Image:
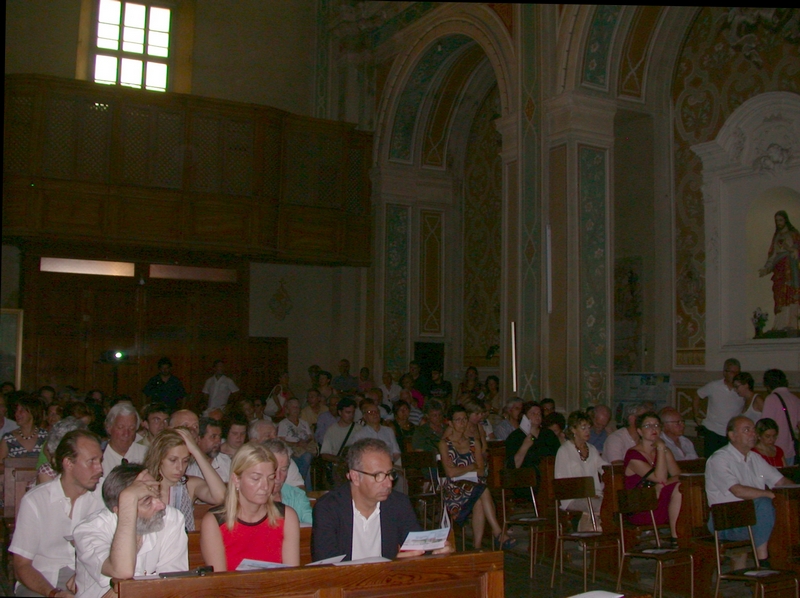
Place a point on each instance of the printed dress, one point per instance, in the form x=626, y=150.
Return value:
x=460, y=495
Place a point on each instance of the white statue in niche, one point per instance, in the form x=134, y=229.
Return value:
x=783, y=261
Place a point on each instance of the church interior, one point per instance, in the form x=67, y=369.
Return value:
x=581, y=200
x=543, y=192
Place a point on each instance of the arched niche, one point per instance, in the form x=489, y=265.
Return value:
x=750, y=170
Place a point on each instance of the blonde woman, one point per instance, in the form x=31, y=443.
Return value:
x=250, y=525
x=167, y=460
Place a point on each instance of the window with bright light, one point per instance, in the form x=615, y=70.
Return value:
x=132, y=44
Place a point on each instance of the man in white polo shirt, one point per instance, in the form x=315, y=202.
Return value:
x=735, y=472
x=723, y=404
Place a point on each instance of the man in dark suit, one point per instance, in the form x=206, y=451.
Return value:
x=365, y=518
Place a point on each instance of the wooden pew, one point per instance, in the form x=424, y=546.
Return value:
x=785, y=553
x=460, y=575
x=18, y=473
x=196, y=557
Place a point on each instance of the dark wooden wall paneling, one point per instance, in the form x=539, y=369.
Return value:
x=173, y=171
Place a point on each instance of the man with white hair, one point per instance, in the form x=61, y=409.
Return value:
x=283, y=492
x=601, y=416
x=259, y=432
x=672, y=430
x=184, y=418
x=121, y=424
x=136, y=534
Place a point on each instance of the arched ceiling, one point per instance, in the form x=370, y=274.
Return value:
x=430, y=100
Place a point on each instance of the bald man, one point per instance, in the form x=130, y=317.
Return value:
x=672, y=434
x=186, y=419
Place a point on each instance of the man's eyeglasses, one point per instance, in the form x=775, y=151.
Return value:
x=677, y=421
x=381, y=475
x=370, y=412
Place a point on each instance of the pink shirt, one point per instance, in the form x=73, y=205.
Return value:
x=774, y=410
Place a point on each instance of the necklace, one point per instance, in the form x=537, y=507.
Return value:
x=23, y=437
x=580, y=452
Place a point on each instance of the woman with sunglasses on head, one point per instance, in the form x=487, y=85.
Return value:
x=464, y=488
x=250, y=525
x=651, y=463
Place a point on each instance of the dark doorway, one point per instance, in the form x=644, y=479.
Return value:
x=429, y=356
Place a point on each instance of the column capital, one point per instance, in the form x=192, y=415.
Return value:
x=507, y=126
x=576, y=115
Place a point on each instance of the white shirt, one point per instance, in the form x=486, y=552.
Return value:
x=221, y=464
x=43, y=521
x=723, y=404
x=218, y=391
x=111, y=458
x=294, y=433
x=293, y=478
x=684, y=452
x=570, y=465
x=383, y=433
x=728, y=466
x=366, y=533
x=9, y=425
x=617, y=444
x=390, y=393
x=161, y=552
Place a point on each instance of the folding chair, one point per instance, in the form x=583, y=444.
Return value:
x=743, y=514
x=524, y=478
x=421, y=473
x=578, y=488
x=639, y=500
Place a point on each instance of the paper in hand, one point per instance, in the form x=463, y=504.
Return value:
x=429, y=540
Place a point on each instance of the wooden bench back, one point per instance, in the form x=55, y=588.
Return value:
x=728, y=515
x=569, y=488
x=636, y=500
x=460, y=575
x=19, y=472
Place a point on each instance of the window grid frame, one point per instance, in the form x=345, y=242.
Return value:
x=144, y=57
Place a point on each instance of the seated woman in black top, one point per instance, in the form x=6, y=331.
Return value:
x=524, y=449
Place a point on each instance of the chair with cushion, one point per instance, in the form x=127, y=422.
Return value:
x=571, y=489
x=743, y=514
x=640, y=500
x=522, y=479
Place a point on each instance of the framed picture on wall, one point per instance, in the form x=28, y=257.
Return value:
x=11, y=346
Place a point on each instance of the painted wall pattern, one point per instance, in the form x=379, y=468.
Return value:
x=414, y=92
x=482, y=235
x=321, y=70
x=635, y=50
x=599, y=45
x=431, y=266
x=628, y=314
x=728, y=56
x=593, y=254
x=395, y=319
x=529, y=326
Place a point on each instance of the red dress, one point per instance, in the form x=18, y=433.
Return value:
x=256, y=541
x=661, y=512
x=777, y=460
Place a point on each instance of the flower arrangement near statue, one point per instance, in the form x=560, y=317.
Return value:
x=759, y=320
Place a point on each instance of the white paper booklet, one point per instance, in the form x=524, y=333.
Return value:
x=329, y=561
x=254, y=565
x=525, y=424
x=428, y=540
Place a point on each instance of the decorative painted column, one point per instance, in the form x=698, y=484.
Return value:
x=579, y=214
x=529, y=224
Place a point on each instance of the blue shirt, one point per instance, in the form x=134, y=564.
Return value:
x=598, y=440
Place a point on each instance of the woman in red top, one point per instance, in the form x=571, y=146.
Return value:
x=767, y=431
x=249, y=525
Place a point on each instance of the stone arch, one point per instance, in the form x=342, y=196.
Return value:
x=475, y=22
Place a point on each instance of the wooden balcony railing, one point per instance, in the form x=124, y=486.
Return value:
x=86, y=162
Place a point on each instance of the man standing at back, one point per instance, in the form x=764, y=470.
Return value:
x=218, y=388
x=44, y=560
x=723, y=404
x=344, y=382
x=164, y=386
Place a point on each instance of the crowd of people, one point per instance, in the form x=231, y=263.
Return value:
x=256, y=458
